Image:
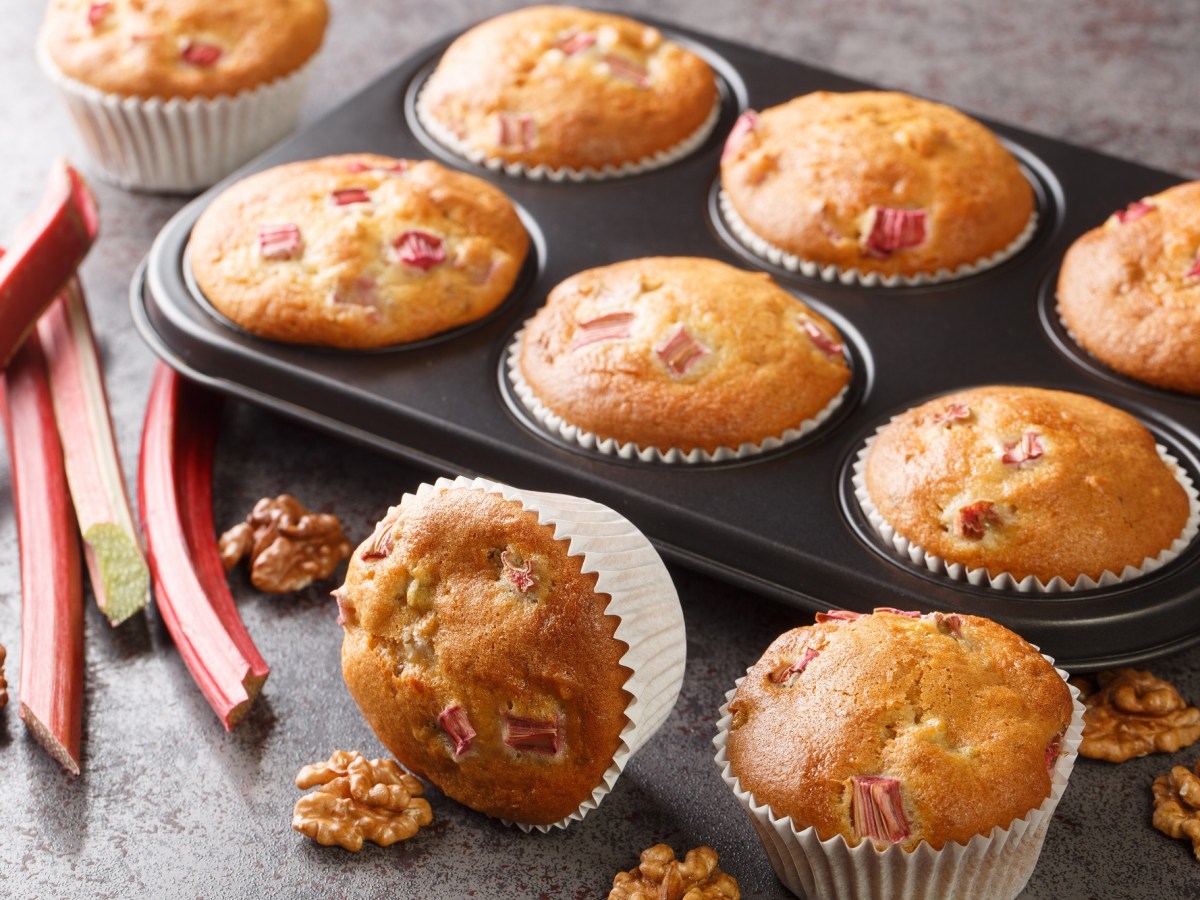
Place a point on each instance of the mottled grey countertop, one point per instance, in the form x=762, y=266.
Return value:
x=170, y=805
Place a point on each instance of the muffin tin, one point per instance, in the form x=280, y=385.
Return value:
x=784, y=524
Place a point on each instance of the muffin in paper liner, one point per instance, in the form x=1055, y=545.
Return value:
x=642, y=595
x=995, y=865
x=540, y=172
x=176, y=145
x=630, y=450
x=777, y=256
x=982, y=576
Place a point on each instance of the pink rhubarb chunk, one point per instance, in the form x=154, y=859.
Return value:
x=1134, y=211
x=346, y=196
x=837, y=615
x=907, y=613
x=627, y=70
x=1053, y=751
x=876, y=808
x=955, y=412
x=356, y=166
x=680, y=352
x=947, y=623
x=521, y=576
x=745, y=125
x=279, y=241
x=823, y=342
x=382, y=541
x=195, y=53
x=1194, y=271
x=532, y=735
x=614, y=326
x=1027, y=449
x=516, y=130
x=420, y=249
x=785, y=676
x=974, y=518
x=576, y=42
x=97, y=13
x=895, y=229
x=457, y=725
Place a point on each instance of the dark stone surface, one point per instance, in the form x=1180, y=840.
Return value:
x=170, y=805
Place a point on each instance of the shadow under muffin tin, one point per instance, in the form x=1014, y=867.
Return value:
x=785, y=523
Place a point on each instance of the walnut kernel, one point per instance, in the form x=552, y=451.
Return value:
x=660, y=876
x=1131, y=713
x=359, y=800
x=289, y=547
x=1177, y=804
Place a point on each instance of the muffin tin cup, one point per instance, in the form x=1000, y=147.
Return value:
x=777, y=256
x=995, y=865
x=983, y=577
x=544, y=172
x=631, y=451
x=177, y=145
x=642, y=595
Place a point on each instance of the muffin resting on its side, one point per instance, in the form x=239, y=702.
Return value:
x=357, y=251
x=877, y=182
x=569, y=88
x=1129, y=290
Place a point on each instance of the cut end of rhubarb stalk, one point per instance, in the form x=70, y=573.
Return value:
x=124, y=587
x=253, y=684
x=46, y=738
x=877, y=809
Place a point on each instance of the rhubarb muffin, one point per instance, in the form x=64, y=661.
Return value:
x=512, y=647
x=174, y=94
x=885, y=739
x=1129, y=290
x=1026, y=482
x=357, y=251
x=679, y=354
x=873, y=184
x=560, y=89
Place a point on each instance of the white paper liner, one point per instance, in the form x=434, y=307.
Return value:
x=630, y=450
x=177, y=145
x=982, y=577
x=542, y=171
x=643, y=597
x=764, y=249
x=996, y=865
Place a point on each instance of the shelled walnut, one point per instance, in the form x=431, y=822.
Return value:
x=1131, y=713
x=1177, y=804
x=660, y=876
x=359, y=800
x=289, y=546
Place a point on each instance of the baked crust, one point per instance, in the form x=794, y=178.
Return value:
x=966, y=722
x=583, y=112
x=808, y=174
x=436, y=623
x=1097, y=498
x=1125, y=290
x=137, y=49
x=345, y=285
x=760, y=372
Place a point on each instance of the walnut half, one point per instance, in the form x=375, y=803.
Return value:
x=359, y=800
x=1131, y=713
x=289, y=546
x=1177, y=804
x=660, y=876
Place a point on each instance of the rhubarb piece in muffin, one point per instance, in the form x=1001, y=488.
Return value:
x=874, y=183
x=1028, y=482
x=1129, y=290
x=357, y=251
x=568, y=88
x=681, y=354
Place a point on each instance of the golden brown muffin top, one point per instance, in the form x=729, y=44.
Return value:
x=678, y=352
x=1130, y=289
x=876, y=181
x=1027, y=481
x=562, y=86
x=899, y=728
x=357, y=251
x=481, y=655
x=181, y=48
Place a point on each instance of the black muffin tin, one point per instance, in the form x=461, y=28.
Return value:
x=784, y=525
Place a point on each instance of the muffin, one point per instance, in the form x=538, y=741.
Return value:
x=679, y=355
x=174, y=94
x=558, y=90
x=514, y=648
x=899, y=750
x=873, y=185
x=1129, y=291
x=1027, y=483
x=357, y=251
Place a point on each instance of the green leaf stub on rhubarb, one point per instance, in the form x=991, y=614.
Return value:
x=123, y=570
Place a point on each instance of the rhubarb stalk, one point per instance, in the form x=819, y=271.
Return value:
x=116, y=566
x=51, y=684
x=175, y=500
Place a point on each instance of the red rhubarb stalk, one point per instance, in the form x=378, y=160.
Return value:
x=51, y=685
x=175, y=500
x=116, y=565
x=50, y=246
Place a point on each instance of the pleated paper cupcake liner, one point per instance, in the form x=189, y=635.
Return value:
x=777, y=256
x=642, y=595
x=176, y=145
x=629, y=450
x=996, y=865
